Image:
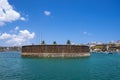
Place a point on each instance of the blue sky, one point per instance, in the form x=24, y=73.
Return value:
x=81, y=21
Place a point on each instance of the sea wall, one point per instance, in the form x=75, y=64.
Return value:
x=55, y=51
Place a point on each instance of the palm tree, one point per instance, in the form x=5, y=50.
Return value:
x=68, y=42
x=43, y=42
x=54, y=43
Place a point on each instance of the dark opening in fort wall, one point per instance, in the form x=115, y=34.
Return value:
x=55, y=51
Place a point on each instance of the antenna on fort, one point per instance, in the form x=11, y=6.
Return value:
x=41, y=37
x=35, y=40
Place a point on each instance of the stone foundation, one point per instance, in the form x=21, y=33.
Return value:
x=55, y=55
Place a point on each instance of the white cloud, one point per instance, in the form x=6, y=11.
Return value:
x=16, y=28
x=1, y=23
x=86, y=33
x=7, y=13
x=23, y=36
x=5, y=36
x=47, y=13
x=22, y=18
x=26, y=34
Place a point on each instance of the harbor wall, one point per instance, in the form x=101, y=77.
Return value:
x=55, y=51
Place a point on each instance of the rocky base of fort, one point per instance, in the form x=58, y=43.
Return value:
x=55, y=55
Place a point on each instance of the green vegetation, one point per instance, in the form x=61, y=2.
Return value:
x=100, y=47
x=43, y=42
x=68, y=42
x=54, y=43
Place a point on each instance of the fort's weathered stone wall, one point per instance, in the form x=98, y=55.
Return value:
x=55, y=51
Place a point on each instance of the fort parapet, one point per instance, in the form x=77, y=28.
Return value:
x=55, y=51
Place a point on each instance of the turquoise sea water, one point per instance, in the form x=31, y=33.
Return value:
x=96, y=67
